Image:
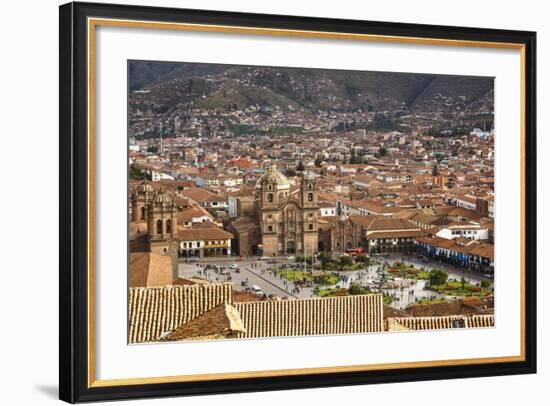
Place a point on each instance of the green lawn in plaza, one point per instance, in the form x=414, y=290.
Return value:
x=294, y=275
x=299, y=275
x=353, y=290
x=460, y=289
x=405, y=271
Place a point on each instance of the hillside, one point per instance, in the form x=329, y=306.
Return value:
x=229, y=86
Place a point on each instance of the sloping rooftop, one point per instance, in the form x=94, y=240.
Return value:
x=222, y=321
x=203, y=232
x=441, y=322
x=147, y=269
x=335, y=315
x=154, y=311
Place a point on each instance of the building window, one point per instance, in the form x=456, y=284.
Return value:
x=310, y=197
x=270, y=197
x=169, y=226
x=143, y=213
x=270, y=228
x=310, y=227
x=159, y=226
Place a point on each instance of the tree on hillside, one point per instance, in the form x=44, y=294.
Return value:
x=355, y=159
x=290, y=172
x=300, y=167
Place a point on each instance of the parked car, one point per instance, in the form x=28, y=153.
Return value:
x=237, y=270
x=233, y=266
x=192, y=259
x=256, y=289
x=264, y=258
x=291, y=257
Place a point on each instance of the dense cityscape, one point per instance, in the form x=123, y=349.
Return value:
x=284, y=202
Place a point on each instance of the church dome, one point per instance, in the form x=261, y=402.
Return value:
x=273, y=176
x=162, y=197
x=145, y=188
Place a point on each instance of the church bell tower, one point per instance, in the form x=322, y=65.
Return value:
x=161, y=224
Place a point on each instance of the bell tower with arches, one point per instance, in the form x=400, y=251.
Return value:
x=269, y=188
x=141, y=198
x=308, y=191
x=310, y=213
x=161, y=228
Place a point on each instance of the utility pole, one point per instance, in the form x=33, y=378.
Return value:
x=161, y=149
x=312, y=256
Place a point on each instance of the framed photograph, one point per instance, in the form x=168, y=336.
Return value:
x=258, y=202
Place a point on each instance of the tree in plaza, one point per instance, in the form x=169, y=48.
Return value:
x=363, y=259
x=345, y=261
x=437, y=277
x=485, y=284
x=325, y=258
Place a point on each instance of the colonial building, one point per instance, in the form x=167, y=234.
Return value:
x=467, y=253
x=288, y=223
x=153, y=254
x=141, y=198
x=280, y=219
x=204, y=240
x=373, y=234
x=172, y=233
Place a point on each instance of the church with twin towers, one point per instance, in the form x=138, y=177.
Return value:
x=288, y=221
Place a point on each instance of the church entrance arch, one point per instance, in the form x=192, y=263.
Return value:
x=290, y=247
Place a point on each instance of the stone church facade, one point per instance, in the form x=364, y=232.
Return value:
x=158, y=211
x=284, y=221
x=288, y=222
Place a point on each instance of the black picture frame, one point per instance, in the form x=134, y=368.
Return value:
x=74, y=200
